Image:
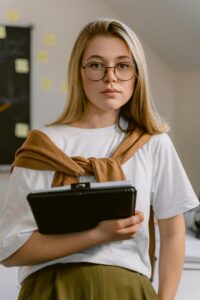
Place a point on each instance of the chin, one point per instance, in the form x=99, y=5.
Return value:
x=110, y=107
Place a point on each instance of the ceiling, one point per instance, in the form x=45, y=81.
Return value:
x=172, y=27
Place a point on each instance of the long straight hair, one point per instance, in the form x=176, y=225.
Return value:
x=139, y=111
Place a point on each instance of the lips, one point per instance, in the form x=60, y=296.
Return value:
x=110, y=91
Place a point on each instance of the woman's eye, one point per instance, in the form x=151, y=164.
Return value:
x=95, y=66
x=124, y=66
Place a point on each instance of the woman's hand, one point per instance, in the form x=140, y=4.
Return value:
x=41, y=248
x=121, y=229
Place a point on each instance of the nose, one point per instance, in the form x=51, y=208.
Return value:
x=110, y=75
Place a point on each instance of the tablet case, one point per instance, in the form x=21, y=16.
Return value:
x=80, y=206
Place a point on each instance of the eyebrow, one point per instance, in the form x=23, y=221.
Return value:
x=101, y=57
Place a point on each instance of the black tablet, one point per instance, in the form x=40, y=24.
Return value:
x=81, y=206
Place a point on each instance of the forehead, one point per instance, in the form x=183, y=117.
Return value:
x=107, y=47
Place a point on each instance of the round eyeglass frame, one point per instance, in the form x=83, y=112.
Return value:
x=132, y=63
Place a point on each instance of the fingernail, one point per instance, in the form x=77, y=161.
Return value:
x=137, y=219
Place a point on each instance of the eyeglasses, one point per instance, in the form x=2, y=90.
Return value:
x=96, y=71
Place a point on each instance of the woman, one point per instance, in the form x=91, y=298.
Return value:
x=108, y=108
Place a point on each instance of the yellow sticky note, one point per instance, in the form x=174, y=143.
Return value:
x=46, y=84
x=21, y=130
x=21, y=65
x=50, y=39
x=63, y=87
x=3, y=32
x=42, y=57
x=12, y=15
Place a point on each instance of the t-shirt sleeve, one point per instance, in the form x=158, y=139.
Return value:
x=16, y=220
x=172, y=192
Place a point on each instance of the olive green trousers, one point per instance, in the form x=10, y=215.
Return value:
x=84, y=281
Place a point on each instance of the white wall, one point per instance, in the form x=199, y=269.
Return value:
x=187, y=124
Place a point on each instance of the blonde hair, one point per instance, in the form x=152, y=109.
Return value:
x=139, y=111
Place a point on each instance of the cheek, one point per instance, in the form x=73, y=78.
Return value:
x=90, y=88
x=87, y=87
x=85, y=83
x=128, y=90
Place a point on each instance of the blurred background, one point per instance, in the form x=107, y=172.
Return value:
x=44, y=32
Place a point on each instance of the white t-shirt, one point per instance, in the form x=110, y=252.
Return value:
x=155, y=170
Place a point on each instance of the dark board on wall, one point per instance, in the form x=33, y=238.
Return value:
x=15, y=45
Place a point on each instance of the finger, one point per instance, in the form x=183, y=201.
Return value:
x=123, y=223
x=130, y=231
x=127, y=222
x=138, y=218
x=139, y=214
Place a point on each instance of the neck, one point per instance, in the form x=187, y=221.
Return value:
x=96, y=120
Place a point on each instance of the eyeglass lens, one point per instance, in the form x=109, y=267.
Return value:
x=96, y=71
